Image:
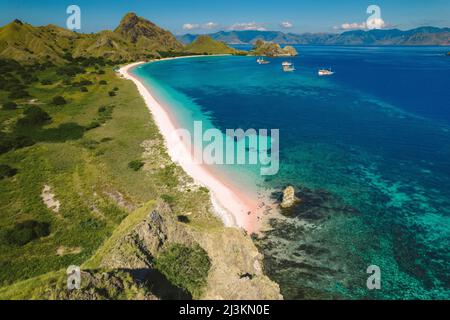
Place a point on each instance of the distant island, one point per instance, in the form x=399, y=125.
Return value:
x=423, y=36
x=206, y=45
x=271, y=49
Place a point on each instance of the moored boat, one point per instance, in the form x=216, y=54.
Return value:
x=288, y=66
x=325, y=72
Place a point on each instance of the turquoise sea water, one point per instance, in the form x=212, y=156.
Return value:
x=368, y=151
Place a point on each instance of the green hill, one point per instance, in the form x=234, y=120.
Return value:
x=135, y=38
x=146, y=35
x=207, y=45
x=24, y=43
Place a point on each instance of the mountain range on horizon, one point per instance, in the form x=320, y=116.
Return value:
x=136, y=38
x=422, y=36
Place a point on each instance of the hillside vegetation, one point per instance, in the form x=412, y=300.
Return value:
x=69, y=196
x=85, y=179
x=134, y=39
x=206, y=45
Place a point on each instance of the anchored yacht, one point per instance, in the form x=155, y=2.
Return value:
x=325, y=72
x=262, y=61
x=288, y=66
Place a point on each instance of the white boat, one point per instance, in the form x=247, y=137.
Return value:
x=288, y=66
x=262, y=61
x=325, y=72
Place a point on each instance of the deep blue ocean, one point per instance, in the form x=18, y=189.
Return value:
x=367, y=149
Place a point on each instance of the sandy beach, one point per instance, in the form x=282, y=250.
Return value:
x=233, y=207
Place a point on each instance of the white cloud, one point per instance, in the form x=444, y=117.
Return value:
x=190, y=26
x=210, y=25
x=287, y=24
x=375, y=23
x=247, y=26
x=206, y=26
x=353, y=26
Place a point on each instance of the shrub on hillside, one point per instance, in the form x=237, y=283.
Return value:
x=59, y=101
x=103, y=82
x=30, y=79
x=70, y=70
x=46, y=82
x=25, y=232
x=135, y=165
x=34, y=116
x=12, y=84
x=111, y=93
x=84, y=89
x=18, y=94
x=6, y=171
x=9, y=65
x=183, y=219
x=10, y=105
x=6, y=144
x=10, y=142
x=186, y=267
x=22, y=142
x=93, y=125
x=85, y=82
x=168, y=198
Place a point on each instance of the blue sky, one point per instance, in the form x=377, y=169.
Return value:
x=204, y=16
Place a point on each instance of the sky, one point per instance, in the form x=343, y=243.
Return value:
x=207, y=16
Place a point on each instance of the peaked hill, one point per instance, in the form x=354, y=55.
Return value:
x=206, y=45
x=135, y=38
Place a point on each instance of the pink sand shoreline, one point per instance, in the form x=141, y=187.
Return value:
x=233, y=207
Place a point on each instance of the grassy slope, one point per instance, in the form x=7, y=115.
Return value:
x=80, y=168
x=39, y=287
x=134, y=39
x=206, y=45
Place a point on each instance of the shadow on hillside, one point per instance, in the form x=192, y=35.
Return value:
x=158, y=284
x=64, y=132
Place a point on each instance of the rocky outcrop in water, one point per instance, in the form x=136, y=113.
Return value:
x=289, y=198
x=271, y=49
x=300, y=250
